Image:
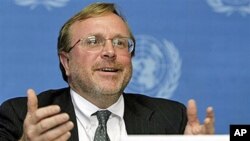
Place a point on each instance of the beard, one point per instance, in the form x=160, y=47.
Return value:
x=87, y=81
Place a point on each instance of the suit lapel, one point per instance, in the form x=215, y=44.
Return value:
x=65, y=102
x=136, y=116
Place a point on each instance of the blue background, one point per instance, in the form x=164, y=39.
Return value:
x=214, y=48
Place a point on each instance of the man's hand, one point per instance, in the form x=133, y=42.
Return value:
x=46, y=123
x=194, y=126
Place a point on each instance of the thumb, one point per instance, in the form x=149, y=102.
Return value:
x=32, y=103
x=192, y=112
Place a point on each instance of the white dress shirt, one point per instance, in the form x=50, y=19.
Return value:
x=87, y=124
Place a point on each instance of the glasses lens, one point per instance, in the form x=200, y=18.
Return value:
x=124, y=44
x=95, y=43
x=131, y=45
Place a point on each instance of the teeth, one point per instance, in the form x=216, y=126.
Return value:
x=109, y=69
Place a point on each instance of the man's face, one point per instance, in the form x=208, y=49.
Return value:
x=105, y=72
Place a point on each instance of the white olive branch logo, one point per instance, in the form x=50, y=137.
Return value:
x=48, y=4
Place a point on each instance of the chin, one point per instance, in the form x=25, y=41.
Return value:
x=108, y=91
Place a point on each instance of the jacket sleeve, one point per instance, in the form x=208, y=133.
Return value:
x=12, y=114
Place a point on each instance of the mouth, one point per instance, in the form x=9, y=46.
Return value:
x=108, y=70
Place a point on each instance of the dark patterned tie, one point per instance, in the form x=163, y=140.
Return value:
x=101, y=131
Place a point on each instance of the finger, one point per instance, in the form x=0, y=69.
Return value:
x=32, y=103
x=192, y=111
x=208, y=127
x=45, y=112
x=32, y=127
x=209, y=121
x=196, y=130
x=64, y=137
x=58, y=132
x=52, y=122
x=210, y=113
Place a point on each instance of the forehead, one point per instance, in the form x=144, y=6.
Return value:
x=108, y=25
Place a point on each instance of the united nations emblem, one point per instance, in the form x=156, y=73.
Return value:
x=156, y=67
x=230, y=6
x=48, y=4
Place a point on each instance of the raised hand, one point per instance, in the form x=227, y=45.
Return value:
x=194, y=126
x=46, y=123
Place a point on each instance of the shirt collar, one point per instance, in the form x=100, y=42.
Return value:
x=86, y=108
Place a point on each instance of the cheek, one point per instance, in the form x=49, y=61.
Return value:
x=127, y=64
x=82, y=60
x=126, y=60
x=82, y=55
x=83, y=63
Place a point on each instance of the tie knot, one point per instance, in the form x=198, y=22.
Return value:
x=103, y=116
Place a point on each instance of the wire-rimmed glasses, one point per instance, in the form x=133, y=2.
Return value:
x=96, y=43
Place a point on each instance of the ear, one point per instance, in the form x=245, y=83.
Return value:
x=64, y=59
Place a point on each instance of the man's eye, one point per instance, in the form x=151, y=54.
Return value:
x=92, y=41
x=119, y=42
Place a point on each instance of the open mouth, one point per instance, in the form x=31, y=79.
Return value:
x=108, y=69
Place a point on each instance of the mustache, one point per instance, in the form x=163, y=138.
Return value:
x=107, y=64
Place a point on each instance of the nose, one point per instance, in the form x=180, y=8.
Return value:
x=108, y=51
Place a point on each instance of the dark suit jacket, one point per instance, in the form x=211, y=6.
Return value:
x=143, y=115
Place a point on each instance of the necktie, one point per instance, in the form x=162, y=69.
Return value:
x=101, y=131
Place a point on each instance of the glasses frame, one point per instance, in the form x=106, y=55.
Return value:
x=131, y=43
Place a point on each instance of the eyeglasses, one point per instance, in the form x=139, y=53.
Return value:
x=96, y=43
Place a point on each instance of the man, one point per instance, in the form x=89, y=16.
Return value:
x=95, y=48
